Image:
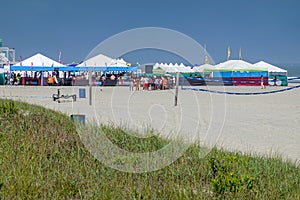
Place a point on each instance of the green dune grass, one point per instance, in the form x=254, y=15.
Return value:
x=42, y=157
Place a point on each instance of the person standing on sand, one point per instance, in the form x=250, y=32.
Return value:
x=275, y=79
x=164, y=83
x=137, y=84
x=142, y=81
x=50, y=81
x=161, y=83
x=73, y=80
x=262, y=82
x=146, y=83
x=112, y=77
x=102, y=80
x=131, y=84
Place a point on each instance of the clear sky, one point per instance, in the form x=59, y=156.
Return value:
x=265, y=29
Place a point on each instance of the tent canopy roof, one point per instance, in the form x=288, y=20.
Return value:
x=38, y=60
x=202, y=68
x=118, y=63
x=99, y=60
x=184, y=69
x=173, y=68
x=271, y=68
x=236, y=65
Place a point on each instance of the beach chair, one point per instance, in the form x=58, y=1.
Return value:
x=64, y=97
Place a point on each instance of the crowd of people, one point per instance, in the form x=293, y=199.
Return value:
x=151, y=83
x=136, y=82
x=100, y=79
x=13, y=78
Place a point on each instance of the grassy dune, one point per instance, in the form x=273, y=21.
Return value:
x=42, y=157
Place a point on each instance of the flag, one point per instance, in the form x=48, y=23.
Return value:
x=31, y=64
x=240, y=54
x=59, y=56
x=206, y=59
x=205, y=54
x=228, y=53
x=20, y=60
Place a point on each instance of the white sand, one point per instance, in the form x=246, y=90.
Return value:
x=262, y=124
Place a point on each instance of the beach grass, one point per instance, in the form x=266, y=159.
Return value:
x=42, y=157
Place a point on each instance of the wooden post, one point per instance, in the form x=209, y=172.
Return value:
x=90, y=88
x=176, y=90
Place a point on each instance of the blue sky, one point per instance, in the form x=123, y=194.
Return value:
x=265, y=30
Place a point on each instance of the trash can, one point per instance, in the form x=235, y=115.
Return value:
x=82, y=93
x=2, y=79
x=78, y=118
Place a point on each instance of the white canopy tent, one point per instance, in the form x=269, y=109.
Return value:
x=202, y=68
x=173, y=68
x=183, y=69
x=105, y=63
x=273, y=70
x=234, y=65
x=159, y=69
x=97, y=61
x=168, y=68
x=37, y=63
x=156, y=66
x=38, y=60
x=119, y=63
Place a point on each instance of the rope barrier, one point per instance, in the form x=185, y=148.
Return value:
x=240, y=93
x=294, y=78
x=235, y=81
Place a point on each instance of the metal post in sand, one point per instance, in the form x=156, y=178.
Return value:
x=177, y=85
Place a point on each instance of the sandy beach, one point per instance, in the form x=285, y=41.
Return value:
x=261, y=124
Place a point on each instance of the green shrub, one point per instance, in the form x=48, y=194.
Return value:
x=8, y=109
x=226, y=183
x=230, y=175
